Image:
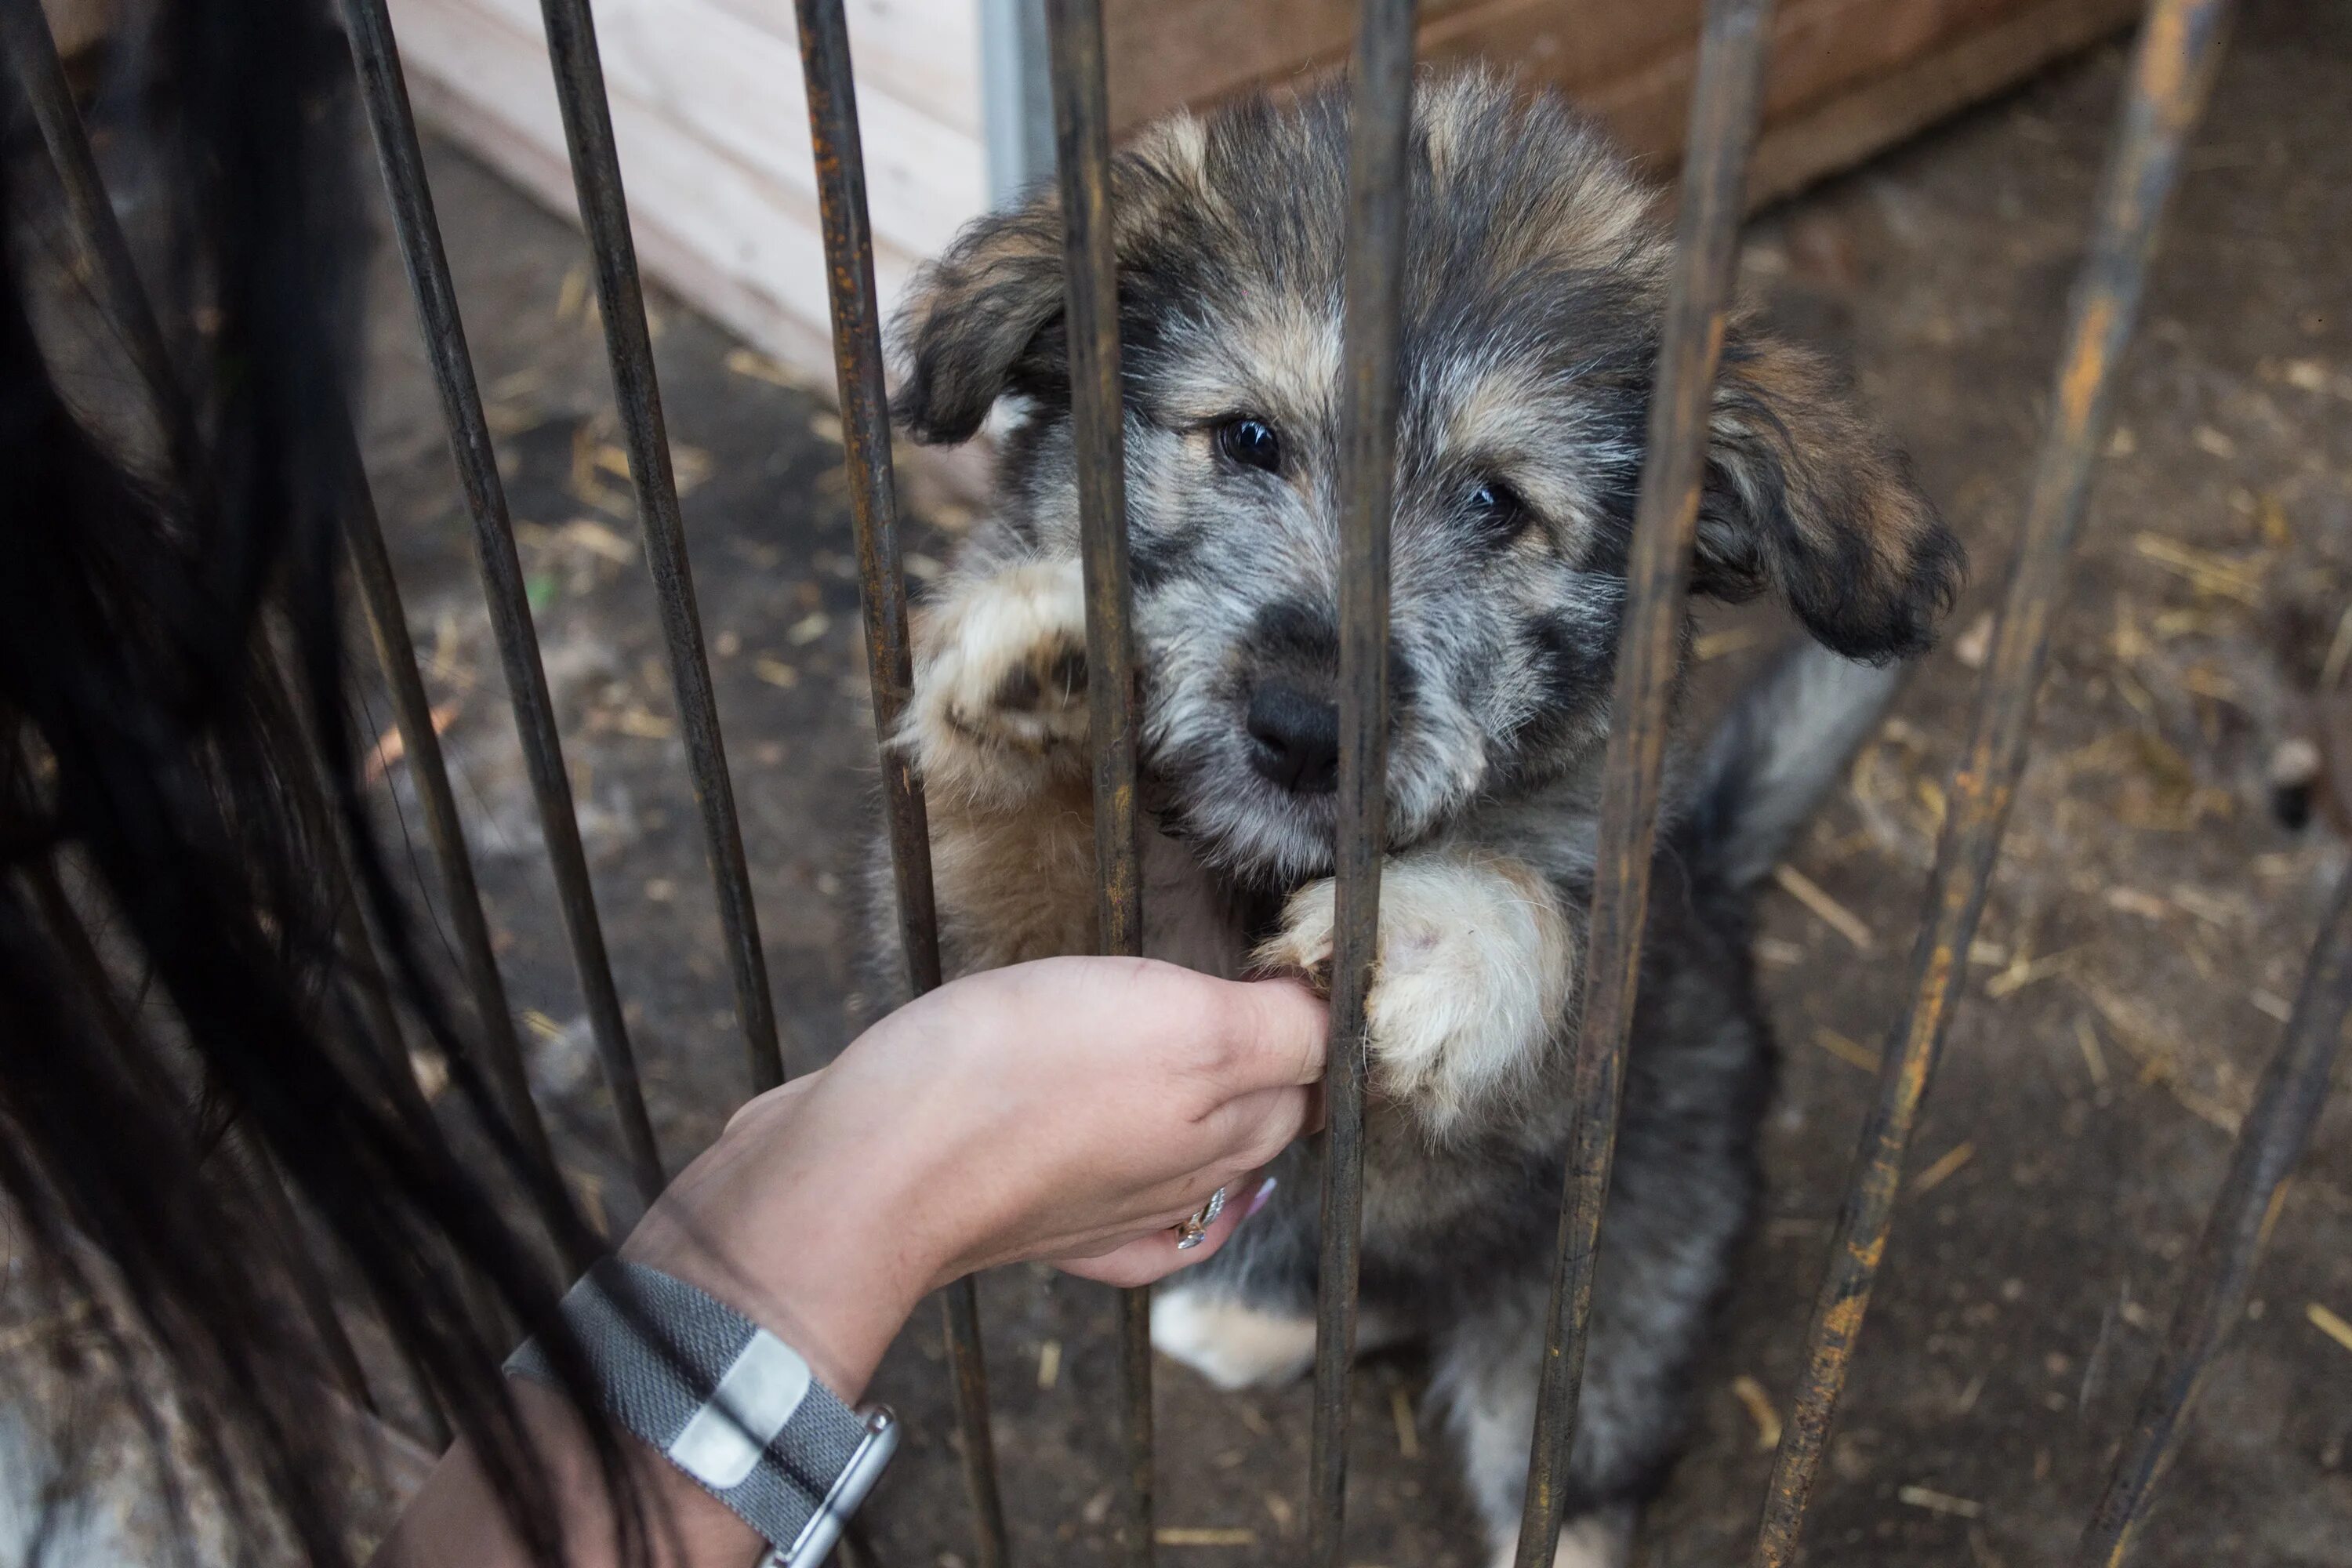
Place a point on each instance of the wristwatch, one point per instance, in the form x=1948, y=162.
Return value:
x=727, y=1402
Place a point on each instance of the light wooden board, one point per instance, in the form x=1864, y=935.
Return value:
x=921, y=52
x=736, y=88
x=734, y=242
x=713, y=133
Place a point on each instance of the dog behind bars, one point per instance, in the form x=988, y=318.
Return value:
x=1533, y=291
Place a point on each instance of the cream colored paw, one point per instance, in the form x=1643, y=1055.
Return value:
x=1000, y=698
x=1602, y=1540
x=1476, y=963
x=1232, y=1344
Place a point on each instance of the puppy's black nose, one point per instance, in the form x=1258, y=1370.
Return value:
x=1294, y=739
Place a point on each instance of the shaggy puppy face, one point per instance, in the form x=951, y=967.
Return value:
x=1534, y=284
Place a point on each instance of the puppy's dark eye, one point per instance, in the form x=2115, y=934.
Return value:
x=1496, y=508
x=1252, y=443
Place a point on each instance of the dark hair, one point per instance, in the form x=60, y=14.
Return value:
x=187, y=1019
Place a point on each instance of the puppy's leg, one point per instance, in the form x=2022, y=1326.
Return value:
x=1487, y=1373
x=1238, y=1344
x=1231, y=1343
x=997, y=732
x=1476, y=964
x=999, y=710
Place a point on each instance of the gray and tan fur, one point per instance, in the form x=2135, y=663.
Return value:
x=1534, y=288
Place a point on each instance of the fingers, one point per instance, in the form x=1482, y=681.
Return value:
x=1279, y=1030
x=774, y=1105
x=1250, y=1129
x=1240, y=1035
x=1154, y=1255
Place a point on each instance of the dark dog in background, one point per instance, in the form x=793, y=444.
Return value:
x=1534, y=288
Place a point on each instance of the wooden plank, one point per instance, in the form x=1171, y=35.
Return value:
x=920, y=52
x=732, y=241
x=1850, y=127
x=1632, y=64
x=1647, y=108
x=1162, y=54
x=738, y=88
x=929, y=477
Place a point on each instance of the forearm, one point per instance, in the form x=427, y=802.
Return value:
x=815, y=1270
x=456, y=1517
x=1074, y=1109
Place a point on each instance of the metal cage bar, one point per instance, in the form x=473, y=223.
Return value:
x=412, y=713
x=1379, y=191
x=882, y=594
x=2172, y=69
x=393, y=125
x=1081, y=98
x=1725, y=103
x=629, y=342
x=2221, y=1274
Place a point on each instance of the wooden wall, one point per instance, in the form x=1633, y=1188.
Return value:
x=713, y=129
x=1848, y=76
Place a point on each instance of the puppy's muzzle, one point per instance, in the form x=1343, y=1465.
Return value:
x=1294, y=738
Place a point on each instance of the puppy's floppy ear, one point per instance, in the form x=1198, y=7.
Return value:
x=1805, y=495
x=974, y=323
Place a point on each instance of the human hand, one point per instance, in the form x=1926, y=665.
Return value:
x=1073, y=1108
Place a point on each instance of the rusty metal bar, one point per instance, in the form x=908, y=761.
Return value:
x=629, y=342
x=113, y=275
x=2172, y=69
x=1379, y=189
x=393, y=125
x=411, y=713
x=1082, y=157
x=1726, y=104
x=2286, y=1107
x=882, y=592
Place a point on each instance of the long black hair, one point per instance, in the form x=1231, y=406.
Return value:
x=191, y=1026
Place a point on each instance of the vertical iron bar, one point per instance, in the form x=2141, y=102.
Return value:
x=114, y=276
x=1725, y=103
x=2172, y=68
x=1082, y=155
x=413, y=714
x=629, y=342
x=882, y=594
x=2286, y=1106
x=1379, y=207
x=394, y=123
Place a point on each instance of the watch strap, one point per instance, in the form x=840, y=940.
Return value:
x=727, y=1402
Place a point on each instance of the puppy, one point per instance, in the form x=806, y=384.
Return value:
x=1533, y=290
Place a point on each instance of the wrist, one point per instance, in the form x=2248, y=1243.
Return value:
x=806, y=1238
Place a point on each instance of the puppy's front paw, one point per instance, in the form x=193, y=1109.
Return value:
x=1000, y=699
x=1474, y=975
x=1229, y=1343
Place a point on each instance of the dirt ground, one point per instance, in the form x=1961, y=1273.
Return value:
x=2148, y=923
